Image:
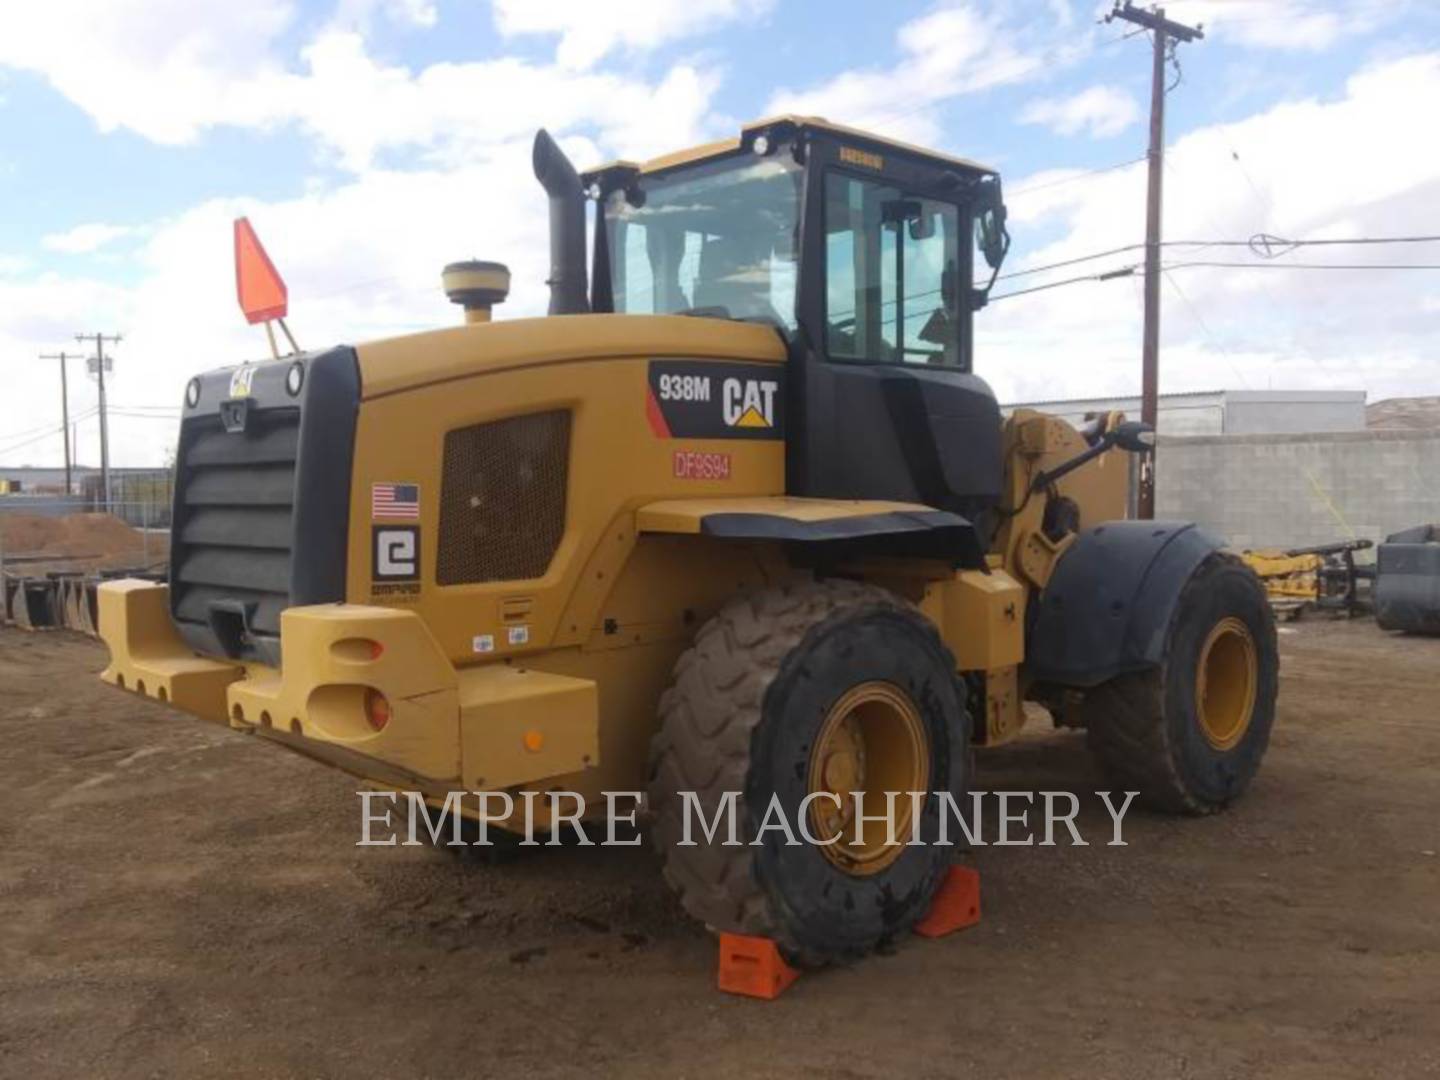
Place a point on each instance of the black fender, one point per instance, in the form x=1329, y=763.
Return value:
x=922, y=534
x=1109, y=601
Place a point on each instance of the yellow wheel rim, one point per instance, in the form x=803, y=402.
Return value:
x=1225, y=683
x=872, y=741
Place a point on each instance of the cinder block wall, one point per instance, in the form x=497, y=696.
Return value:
x=1295, y=490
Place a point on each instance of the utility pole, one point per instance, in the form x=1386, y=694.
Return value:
x=63, y=356
x=1165, y=34
x=100, y=340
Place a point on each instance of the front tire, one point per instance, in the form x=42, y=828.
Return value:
x=1189, y=736
x=808, y=687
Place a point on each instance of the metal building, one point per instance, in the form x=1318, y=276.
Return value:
x=1229, y=412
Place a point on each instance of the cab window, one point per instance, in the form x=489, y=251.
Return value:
x=892, y=268
x=715, y=239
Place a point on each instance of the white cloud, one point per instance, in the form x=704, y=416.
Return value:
x=362, y=261
x=1103, y=111
x=359, y=14
x=170, y=69
x=362, y=258
x=588, y=30
x=361, y=107
x=162, y=68
x=1237, y=327
x=83, y=239
x=1291, y=25
x=944, y=54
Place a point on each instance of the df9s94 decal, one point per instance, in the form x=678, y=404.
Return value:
x=715, y=399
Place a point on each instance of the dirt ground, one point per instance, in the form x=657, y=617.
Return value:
x=178, y=900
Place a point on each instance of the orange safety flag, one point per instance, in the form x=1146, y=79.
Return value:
x=258, y=285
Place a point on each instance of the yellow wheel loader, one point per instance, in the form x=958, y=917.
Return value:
x=736, y=521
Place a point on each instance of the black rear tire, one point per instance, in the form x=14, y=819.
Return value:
x=742, y=715
x=1148, y=729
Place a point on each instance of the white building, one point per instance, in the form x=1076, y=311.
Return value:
x=1228, y=412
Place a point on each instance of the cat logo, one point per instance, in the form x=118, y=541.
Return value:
x=715, y=399
x=749, y=403
x=240, y=381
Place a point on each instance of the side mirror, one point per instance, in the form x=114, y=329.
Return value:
x=991, y=236
x=1134, y=436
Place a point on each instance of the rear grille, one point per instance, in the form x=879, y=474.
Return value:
x=262, y=500
x=502, y=498
x=234, y=504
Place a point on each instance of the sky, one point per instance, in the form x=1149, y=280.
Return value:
x=372, y=141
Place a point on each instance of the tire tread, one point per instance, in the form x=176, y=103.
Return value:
x=708, y=717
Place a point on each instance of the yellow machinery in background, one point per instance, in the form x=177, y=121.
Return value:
x=1322, y=577
x=736, y=523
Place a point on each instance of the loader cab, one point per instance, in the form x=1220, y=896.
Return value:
x=862, y=253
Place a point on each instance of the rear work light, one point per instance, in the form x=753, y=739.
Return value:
x=377, y=709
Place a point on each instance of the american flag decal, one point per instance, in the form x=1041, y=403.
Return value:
x=398, y=501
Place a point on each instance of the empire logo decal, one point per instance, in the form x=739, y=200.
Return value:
x=396, y=552
x=708, y=399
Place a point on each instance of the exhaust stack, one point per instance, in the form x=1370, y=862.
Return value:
x=567, y=279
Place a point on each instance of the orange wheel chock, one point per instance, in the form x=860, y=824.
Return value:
x=754, y=967
x=956, y=904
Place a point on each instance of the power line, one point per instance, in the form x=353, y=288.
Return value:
x=1265, y=212
x=144, y=416
x=50, y=427
x=1026, y=189
x=1127, y=271
x=1109, y=275
x=1306, y=266
x=32, y=441
x=1069, y=262
x=1205, y=327
x=1259, y=244
x=48, y=433
x=1263, y=244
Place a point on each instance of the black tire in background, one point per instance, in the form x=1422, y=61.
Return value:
x=743, y=713
x=1149, y=730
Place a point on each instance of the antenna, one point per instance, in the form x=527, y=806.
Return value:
x=259, y=287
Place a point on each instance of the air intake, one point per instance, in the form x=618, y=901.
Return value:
x=502, y=498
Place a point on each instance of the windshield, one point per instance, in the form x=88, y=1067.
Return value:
x=718, y=239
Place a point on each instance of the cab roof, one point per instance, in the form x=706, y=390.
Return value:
x=817, y=124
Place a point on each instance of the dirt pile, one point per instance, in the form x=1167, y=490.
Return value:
x=104, y=540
